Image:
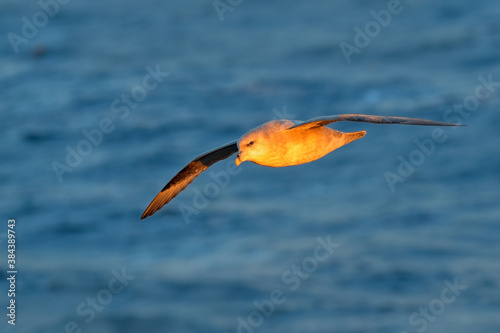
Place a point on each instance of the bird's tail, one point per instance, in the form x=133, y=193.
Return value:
x=349, y=137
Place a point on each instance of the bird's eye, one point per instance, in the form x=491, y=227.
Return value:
x=250, y=143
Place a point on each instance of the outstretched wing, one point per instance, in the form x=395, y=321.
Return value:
x=182, y=179
x=322, y=121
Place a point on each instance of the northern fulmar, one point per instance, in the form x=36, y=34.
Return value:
x=279, y=143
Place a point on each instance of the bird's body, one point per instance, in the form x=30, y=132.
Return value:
x=274, y=145
x=279, y=143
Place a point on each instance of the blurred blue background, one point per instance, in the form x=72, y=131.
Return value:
x=402, y=242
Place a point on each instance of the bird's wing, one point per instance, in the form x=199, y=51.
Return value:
x=182, y=179
x=322, y=121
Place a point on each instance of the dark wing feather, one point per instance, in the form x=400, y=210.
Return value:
x=182, y=179
x=322, y=121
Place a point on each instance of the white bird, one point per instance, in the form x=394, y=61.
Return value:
x=279, y=143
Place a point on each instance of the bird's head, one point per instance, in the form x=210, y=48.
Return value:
x=259, y=144
x=252, y=147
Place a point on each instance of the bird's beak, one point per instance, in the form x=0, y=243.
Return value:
x=240, y=158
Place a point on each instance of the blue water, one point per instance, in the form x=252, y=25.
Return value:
x=398, y=249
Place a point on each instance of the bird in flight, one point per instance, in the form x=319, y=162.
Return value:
x=279, y=143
